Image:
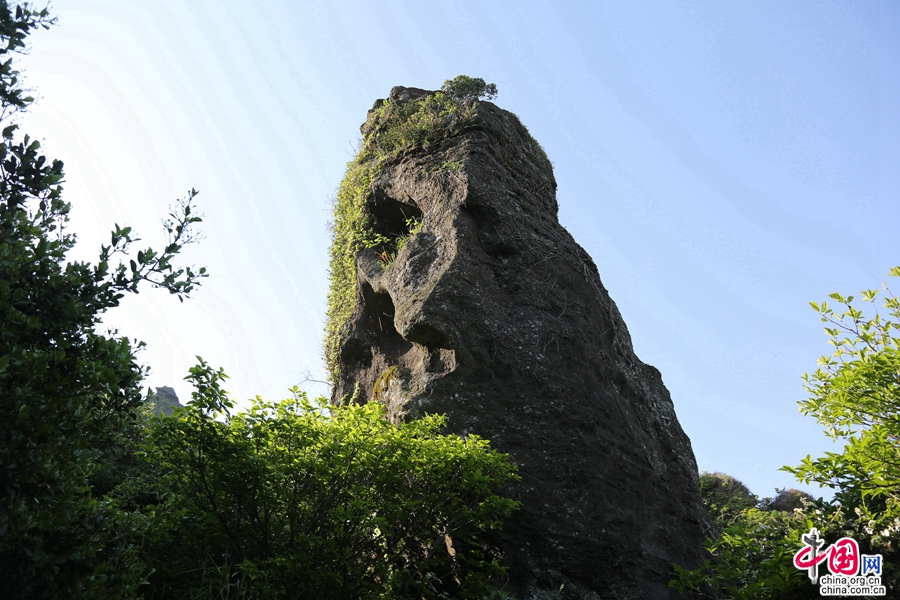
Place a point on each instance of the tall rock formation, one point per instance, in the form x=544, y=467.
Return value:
x=164, y=401
x=470, y=299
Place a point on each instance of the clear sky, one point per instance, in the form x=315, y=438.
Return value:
x=724, y=163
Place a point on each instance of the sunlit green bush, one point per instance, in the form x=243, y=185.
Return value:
x=294, y=499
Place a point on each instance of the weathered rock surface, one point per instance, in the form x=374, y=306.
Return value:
x=164, y=401
x=492, y=314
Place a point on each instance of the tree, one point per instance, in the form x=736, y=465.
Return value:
x=751, y=559
x=463, y=88
x=855, y=394
x=288, y=501
x=68, y=395
x=753, y=543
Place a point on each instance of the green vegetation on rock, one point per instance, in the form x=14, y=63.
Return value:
x=392, y=130
x=466, y=89
x=724, y=498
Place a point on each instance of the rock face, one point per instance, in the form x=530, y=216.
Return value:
x=164, y=401
x=492, y=314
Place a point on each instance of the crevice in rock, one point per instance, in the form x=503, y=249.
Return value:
x=393, y=220
x=427, y=336
x=379, y=322
x=495, y=239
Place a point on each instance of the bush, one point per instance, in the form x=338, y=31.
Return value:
x=752, y=559
x=786, y=500
x=287, y=501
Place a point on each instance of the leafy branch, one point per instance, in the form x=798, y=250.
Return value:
x=150, y=266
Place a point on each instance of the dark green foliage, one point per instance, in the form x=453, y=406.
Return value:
x=752, y=559
x=68, y=395
x=752, y=543
x=465, y=88
x=285, y=501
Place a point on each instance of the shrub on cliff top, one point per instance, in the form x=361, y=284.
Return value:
x=465, y=88
x=724, y=498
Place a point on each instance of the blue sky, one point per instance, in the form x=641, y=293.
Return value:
x=723, y=163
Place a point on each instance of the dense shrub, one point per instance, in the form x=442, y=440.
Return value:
x=288, y=501
x=786, y=500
